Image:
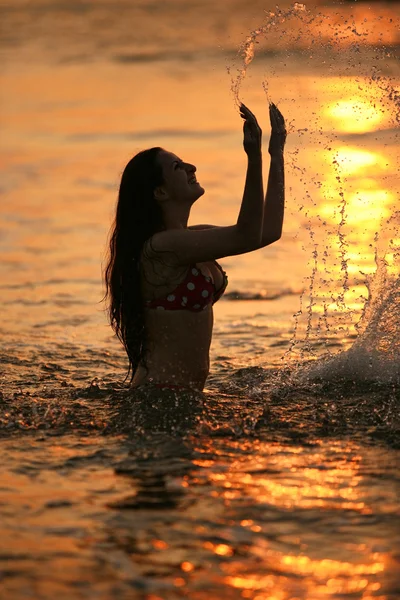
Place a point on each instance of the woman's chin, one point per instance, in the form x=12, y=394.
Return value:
x=195, y=192
x=200, y=191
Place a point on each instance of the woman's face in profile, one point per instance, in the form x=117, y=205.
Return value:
x=180, y=181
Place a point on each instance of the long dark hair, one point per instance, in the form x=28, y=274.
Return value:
x=137, y=218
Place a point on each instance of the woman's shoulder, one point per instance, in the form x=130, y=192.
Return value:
x=158, y=272
x=165, y=261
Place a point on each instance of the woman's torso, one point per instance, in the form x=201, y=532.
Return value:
x=178, y=325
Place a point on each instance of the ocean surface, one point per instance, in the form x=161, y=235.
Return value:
x=281, y=481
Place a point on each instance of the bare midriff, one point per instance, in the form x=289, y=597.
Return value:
x=177, y=348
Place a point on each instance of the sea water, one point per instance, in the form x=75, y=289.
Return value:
x=281, y=481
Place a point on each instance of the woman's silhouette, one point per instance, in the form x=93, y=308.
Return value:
x=162, y=277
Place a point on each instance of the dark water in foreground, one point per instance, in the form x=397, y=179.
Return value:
x=275, y=488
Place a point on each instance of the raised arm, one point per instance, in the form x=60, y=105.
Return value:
x=275, y=195
x=192, y=245
x=252, y=209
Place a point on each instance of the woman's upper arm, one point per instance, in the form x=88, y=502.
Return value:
x=194, y=227
x=187, y=246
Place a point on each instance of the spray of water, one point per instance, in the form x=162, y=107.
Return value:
x=328, y=307
x=247, y=49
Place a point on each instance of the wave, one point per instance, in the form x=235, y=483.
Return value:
x=195, y=55
x=387, y=134
x=143, y=32
x=375, y=355
x=149, y=134
x=261, y=295
x=149, y=57
x=38, y=284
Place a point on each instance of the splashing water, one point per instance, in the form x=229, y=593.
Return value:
x=247, y=49
x=352, y=293
x=375, y=354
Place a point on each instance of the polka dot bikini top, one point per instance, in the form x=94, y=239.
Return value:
x=194, y=293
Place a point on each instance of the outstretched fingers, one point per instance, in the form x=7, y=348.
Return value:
x=246, y=113
x=252, y=132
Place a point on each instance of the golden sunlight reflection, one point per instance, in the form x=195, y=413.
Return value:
x=220, y=549
x=320, y=578
x=369, y=206
x=353, y=160
x=364, y=206
x=318, y=488
x=295, y=482
x=355, y=201
x=354, y=115
x=371, y=21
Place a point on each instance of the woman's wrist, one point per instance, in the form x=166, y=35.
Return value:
x=255, y=159
x=277, y=157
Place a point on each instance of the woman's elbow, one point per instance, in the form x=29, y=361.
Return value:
x=271, y=239
x=247, y=241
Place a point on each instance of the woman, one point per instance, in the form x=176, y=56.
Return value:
x=162, y=277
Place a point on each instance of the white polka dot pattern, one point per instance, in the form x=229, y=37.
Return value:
x=196, y=292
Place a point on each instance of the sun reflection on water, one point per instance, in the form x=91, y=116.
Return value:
x=277, y=478
x=352, y=160
x=355, y=115
x=362, y=208
x=347, y=215
x=321, y=578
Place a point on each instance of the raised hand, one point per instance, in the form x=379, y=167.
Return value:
x=251, y=133
x=278, y=133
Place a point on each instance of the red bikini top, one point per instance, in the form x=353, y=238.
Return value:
x=194, y=293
